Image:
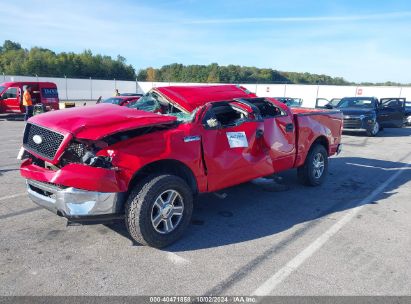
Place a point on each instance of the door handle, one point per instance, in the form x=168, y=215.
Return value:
x=289, y=127
x=259, y=133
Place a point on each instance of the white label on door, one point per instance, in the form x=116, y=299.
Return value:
x=237, y=139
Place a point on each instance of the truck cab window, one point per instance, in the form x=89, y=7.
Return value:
x=225, y=115
x=267, y=109
x=10, y=93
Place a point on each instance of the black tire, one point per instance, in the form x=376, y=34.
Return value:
x=307, y=174
x=374, y=130
x=141, y=204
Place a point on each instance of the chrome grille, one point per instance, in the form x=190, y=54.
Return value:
x=352, y=123
x=50, y=141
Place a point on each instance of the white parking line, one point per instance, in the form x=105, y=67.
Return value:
x=12, y=196
x=380, y=168
x=7, y=167
x=268, y=286
x=176, y=259
x=10, y=150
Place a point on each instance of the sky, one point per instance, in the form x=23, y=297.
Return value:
x=362, y=41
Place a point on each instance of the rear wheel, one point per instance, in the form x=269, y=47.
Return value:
x=315, y=168
x=158, y=210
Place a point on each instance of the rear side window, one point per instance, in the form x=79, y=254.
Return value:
x=10, y=93
x=392, y=102
x=268, y=109
x=49, y=93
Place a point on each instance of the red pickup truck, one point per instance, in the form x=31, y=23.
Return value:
x=103, y=162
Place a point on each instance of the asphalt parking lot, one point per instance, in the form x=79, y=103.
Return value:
x=351, y=236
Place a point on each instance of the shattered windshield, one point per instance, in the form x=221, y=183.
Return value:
x=146, y=103
x=153, y=102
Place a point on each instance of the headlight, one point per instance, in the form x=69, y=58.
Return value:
x=97, y=161
x=371, y=118
x=83, y=152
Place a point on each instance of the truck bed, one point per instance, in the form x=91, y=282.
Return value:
x=311, y=123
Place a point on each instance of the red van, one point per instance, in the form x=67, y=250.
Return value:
x=11, y=96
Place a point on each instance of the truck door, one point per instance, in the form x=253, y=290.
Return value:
x=233, y=147
x=279, y=133
x=391, y=112
x=11, y=100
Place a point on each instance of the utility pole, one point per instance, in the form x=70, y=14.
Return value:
x=65, y=77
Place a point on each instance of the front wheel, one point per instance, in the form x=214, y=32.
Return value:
x=315, y=168
x=158, y=210
x=374, y=130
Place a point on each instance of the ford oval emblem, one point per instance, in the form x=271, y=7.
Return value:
x=37, y=139
x=362, y=117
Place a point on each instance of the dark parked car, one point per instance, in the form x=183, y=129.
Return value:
x=291, y=102
x=369, y=115
x=121, y=100
x=131, y=94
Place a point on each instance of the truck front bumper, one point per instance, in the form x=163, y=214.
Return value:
x=355, y=124
x=339, y=148
x=73, y=203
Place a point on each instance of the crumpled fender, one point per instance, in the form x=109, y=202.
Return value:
x=79, y=176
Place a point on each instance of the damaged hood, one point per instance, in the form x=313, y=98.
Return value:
x=98, y=121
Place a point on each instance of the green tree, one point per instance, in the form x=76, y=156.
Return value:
x=43, y=62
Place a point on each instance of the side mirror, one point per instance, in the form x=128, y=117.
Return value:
x=328, y=106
